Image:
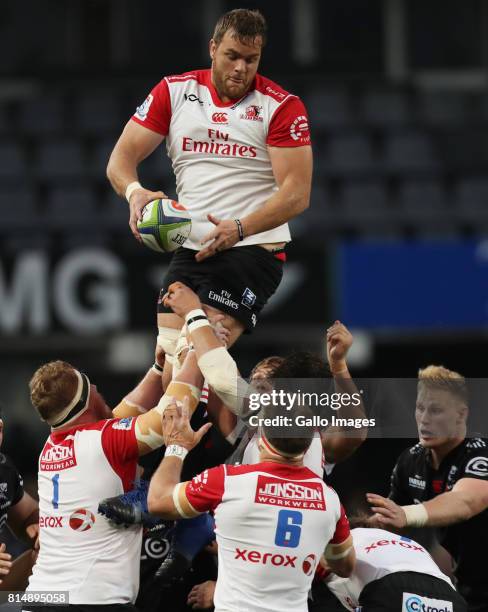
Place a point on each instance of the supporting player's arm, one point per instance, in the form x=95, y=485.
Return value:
x=216, y=364
x=186, y=386
x=147, y=393
x=134, y=145
x=468, y=498
x=339, y=443
x=167, y=497
x=292, y=169
x=23, y=518
x=339, y=553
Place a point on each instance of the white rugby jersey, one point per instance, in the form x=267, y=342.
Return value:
x=273, y=522
x=379, y=553
x=219, y=151
x=313, y=459
x=80, y=551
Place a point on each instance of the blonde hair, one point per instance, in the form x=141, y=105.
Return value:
x=52, y=388
x=439, y=377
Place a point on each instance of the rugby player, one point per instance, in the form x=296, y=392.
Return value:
x=273, y=519
x=392, y=573
x=89, y=455
x=442, y=482
x=241, y=152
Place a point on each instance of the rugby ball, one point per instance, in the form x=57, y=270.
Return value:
x=165, y=225
x=81, y=520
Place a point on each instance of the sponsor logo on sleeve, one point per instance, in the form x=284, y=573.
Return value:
x=478, y=466
x=198, y=482
x=416, y=603
x=289, y=494
x=143, y=109
x=124, y=424
x=299, y=129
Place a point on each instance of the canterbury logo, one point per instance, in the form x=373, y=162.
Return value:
x=219, y=118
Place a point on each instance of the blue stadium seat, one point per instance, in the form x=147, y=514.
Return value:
x=329, y=109
x=348, y=155
x=98, y=113
x=410, y=152
x=420, y=199
x=384, y=107
x=72, y=209
x=19, y=209
x=471, y=199
x=13, y=165
x=443, y=107
x=42, y=115
x=63, y=159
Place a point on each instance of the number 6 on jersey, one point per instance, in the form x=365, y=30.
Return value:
x=289, y=528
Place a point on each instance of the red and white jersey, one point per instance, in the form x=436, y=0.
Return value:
x=379, y=553
x=80, y=551
x=273, y=522
x=219, y=150
x=313, y=459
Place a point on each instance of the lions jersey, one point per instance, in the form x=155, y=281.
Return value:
x=379, y=553
x=219, y=151
x=80, y=551
x=273, y=522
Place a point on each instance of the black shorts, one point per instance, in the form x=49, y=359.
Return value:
x=238, y=281
x=387, y=594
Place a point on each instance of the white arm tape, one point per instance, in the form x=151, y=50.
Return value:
x=176, y=501
x=417, y=515
x=220, y=372
x=167, y=339
x=131, y=187
x=151, y=438
x=331, y=557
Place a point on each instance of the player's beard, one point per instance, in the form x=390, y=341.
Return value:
x=226, y=87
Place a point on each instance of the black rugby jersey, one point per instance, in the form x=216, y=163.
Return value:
x=414, y=480
x=11, y=487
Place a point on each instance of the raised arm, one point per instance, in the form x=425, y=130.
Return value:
x=339, y=443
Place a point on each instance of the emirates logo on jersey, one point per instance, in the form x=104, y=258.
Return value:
x=289, y=494
x=220, y=118
x=57, y=457
x=299, y=129
x=253, y=113
x=308, y=565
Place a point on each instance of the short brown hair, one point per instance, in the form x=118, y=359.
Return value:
x=439, y=377
x=246, y=24
x=52, y=388
x=268, y=364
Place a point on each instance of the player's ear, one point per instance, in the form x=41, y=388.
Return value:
x=212, y=46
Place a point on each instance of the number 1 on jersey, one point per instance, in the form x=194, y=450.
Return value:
x=289, y=528
x=55, y=480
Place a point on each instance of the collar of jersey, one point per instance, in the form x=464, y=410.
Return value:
x=60, y=435
x=302, y=472
x=215, y=96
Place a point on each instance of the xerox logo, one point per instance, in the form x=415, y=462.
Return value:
x=308, y=565
x=220, y=118
x=256, y=556
x=403, y=542
x=50, y=521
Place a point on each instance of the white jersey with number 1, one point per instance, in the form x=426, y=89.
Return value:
x=80, y=551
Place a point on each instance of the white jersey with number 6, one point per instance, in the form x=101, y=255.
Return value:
x=80, y=551
x=273, y=522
